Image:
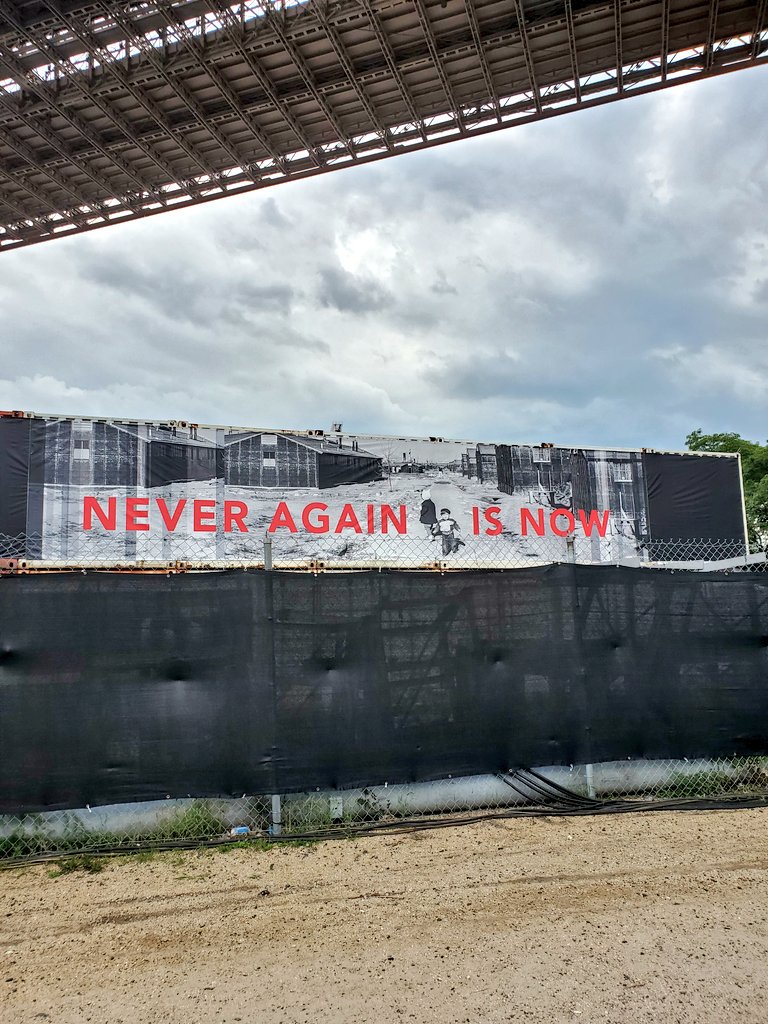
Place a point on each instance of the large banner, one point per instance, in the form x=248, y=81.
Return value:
x=88, y=490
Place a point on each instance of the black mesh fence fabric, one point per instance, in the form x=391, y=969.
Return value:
x=14, y=475
x=692, y=496
x=117, y=688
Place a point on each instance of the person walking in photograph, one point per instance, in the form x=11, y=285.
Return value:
x=447, y=528
x=428, y=514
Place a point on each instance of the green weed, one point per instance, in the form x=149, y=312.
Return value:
x=697, y=784
x=91, y=865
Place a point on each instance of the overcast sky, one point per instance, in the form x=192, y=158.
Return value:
x=599, y=278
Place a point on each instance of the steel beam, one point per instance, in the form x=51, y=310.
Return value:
x=573, y=49
x=29, y=81
x=116, y=68
x=236, y=33
x=55, y=141
x=225, y=89
x=12, y=204
x=474, y=25
x=522, y=117
x=709, y=51
x=394, y=69
x=429, y=37
x=275, y=19
x=151, y=54
x=346, y=63
x=150, y=132
x=520, y=13
x=761, y=22
x=32, y=159
x=79, y=219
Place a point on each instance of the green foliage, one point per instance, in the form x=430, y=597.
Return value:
x=17, y=844
x=757, y=508
x=742, y=776
x=686, y=785
x=199, y=821
x=754, y=467
x=92, y=865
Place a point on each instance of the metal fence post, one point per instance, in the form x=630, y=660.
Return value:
x=589, y=774
x=277, y=816
x=267, y=551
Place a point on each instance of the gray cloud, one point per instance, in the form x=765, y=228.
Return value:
x=442, y=286
x=348, y=294
x=600, y=278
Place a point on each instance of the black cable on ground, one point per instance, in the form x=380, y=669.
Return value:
x=405, y=825
x=557, y=788
x=548, y=792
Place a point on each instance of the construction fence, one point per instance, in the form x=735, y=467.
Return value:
x=556, y=790
x=142, y=709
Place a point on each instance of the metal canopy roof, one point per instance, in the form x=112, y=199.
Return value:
x=112, y=111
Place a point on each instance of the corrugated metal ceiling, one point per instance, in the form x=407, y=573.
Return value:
x=114, y=111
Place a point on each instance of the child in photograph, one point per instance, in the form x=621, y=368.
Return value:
x=447, y=528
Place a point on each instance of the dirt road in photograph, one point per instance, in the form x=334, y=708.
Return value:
x=623, y=919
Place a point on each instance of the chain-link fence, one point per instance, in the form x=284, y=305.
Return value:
x=577, y=789
x=590, y=789
x=444, y=548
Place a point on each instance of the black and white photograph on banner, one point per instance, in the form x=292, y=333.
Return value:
x=104, y=490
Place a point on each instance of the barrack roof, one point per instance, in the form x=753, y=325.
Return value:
x=324, y=445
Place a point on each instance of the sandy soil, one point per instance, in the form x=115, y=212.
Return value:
x=635, y=918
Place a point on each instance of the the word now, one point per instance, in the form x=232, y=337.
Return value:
x=561, y=521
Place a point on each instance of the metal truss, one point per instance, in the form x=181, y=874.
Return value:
x=116, y=110
x=527, y=54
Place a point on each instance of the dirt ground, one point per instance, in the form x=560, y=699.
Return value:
x=625, y=919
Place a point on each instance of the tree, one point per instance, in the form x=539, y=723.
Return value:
x=754, y=468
